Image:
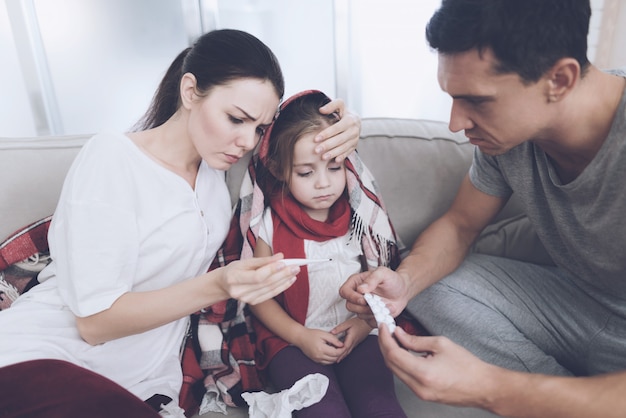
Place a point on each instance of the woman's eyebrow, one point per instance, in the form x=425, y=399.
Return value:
x=252, y=118
x=246, y=114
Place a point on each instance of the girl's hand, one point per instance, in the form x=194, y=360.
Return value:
x=340, y=139
x=320, y=346
x=356, y=330
x=257, y=279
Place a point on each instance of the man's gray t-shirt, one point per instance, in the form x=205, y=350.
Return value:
x=582, y=224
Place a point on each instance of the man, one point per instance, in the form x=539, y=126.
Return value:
x=537, y=341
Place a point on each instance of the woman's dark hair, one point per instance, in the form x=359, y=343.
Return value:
x=527, y=37
x=216, y=58
x=300, y=116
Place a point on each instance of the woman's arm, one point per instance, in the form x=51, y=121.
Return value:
x=251, y=281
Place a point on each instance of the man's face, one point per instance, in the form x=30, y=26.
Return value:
x=496, y=111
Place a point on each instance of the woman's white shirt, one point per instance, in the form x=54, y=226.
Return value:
x=123, y=223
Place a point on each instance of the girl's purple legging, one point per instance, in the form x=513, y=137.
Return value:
x=360, y=386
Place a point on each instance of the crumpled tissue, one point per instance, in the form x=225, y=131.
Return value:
x=305, y=392
x=172, y=410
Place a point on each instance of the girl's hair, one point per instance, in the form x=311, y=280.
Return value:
x=216, y=58
x=301, y=116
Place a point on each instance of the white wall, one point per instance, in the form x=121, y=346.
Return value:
x=104, y=58
x=15, y=113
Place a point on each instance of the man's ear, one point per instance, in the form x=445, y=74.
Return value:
x=187, y=90
x=562, y=78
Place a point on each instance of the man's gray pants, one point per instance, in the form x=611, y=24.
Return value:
x=526, y=317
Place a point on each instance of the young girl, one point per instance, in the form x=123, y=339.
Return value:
x=320, y=209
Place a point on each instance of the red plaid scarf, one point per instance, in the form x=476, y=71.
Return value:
x=15, y=251
x=292, y=225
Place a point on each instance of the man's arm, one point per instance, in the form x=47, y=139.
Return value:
x=440, y=249
x=437, y=252
x=536, y=395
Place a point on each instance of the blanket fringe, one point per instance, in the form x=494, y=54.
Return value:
x=7, y=290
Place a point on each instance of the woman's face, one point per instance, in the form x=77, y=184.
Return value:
x=229, y=121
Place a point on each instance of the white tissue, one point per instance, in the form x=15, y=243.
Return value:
x=172, y=410
x=305, y=392
x=211, y=402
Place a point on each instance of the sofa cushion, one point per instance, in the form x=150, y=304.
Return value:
x=418, y=166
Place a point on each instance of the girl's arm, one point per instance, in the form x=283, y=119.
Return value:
x=270, y=313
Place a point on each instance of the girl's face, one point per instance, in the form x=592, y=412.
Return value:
x=315, y=183
x=229, y=121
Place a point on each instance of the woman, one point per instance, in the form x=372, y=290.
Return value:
x=139, y=221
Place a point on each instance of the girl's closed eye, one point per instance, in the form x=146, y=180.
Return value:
x=304, y=173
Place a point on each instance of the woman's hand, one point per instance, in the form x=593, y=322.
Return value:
x=251, y=281
x=340, y=139
x=257, y=279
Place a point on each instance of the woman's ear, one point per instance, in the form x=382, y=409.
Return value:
x=562, y=78
x=187, y=90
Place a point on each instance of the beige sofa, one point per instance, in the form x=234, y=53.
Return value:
x=418, y=166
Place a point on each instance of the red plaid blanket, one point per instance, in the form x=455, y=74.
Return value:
x=22, y=256
x=30, y=240
x=223, y=371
